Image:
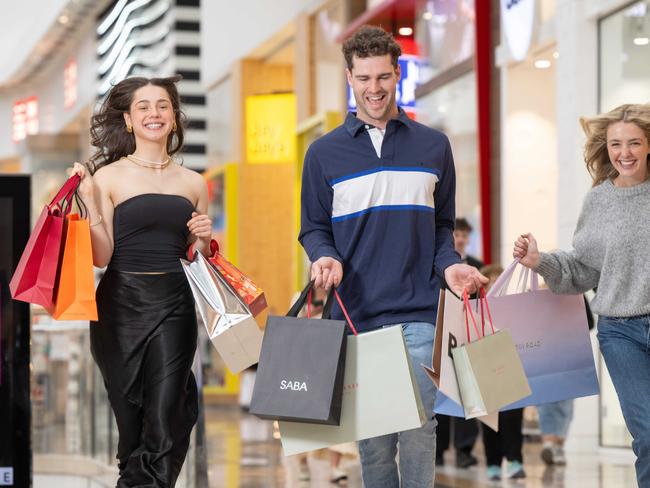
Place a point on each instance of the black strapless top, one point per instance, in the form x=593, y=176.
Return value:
x=150, y=233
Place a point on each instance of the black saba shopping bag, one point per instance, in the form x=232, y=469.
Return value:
x=300, y=372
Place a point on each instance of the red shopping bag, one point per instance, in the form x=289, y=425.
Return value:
x=249, y=292
x=34, y=278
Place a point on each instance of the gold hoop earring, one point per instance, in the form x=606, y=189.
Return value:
x=129, y=129
x=174, y=127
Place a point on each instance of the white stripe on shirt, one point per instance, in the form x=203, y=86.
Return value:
x=405, y=188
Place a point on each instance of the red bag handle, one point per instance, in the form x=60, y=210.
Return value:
x=338, y=299
x=483, y=298
x=66, y=193
x=214, y=250
x=345, y=312
x=468, y=312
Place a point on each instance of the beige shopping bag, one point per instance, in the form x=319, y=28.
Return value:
x=488, y=370
x=450, y=333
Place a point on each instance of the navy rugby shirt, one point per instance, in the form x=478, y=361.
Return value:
x=389, y=220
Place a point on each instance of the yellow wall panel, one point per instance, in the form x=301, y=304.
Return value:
x=266, y=232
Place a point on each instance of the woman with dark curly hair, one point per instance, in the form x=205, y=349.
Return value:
x=144, y=210
x=610, y=253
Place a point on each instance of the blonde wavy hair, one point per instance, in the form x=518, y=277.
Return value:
x=596, y=157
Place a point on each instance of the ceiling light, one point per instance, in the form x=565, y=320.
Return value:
x=641, y=41
x=427, y=15
x=542, y=64
x=63, y=19
x=405, y=31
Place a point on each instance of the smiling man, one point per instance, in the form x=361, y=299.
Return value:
x=377, y=221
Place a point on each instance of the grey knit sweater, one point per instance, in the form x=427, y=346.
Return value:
x=611, y=250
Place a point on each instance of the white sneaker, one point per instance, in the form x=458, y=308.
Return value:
x=558, y=456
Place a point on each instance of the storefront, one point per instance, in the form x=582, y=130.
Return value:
x=448, y=100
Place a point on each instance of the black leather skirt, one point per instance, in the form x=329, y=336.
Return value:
x=144, y=344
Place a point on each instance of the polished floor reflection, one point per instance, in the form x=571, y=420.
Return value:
x=244, y=451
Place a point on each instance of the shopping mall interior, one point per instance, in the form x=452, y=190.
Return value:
x=262, y=80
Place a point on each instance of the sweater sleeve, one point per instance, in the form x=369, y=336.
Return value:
x=564, y=273
x=316, y=211
x=445, y=201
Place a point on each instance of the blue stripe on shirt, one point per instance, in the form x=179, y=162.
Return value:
x=384, y=208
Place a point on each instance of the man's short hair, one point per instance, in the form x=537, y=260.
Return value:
x=463, y=225
x=369, y=41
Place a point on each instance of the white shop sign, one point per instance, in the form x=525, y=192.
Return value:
x=6, y=476
x=518, y=21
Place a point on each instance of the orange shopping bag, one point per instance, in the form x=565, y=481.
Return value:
x=75, y=292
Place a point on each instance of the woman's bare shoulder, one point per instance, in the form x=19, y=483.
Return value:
x=190, y=175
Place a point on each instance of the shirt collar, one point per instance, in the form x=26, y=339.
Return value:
x=354, y=124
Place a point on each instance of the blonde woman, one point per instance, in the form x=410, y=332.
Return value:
x=611, y=253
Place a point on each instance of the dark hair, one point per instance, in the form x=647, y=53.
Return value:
x=490, y=270
x=108, y=130
x=369, y=41
x=463, y=225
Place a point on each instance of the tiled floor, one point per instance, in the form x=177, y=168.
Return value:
x=244, y=452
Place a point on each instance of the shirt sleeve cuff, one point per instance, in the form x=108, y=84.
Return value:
x=548, y=266
x=442, y=263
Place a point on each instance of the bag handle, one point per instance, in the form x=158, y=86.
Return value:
x=501, y=284
x=300, y=302
x=468, y=312
x=327, y=309
x=305, y=298
x=214, y=250
x=66, y=192
x=345, y=313
x=483, y=299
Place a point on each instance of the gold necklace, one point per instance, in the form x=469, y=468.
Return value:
x=145, y=163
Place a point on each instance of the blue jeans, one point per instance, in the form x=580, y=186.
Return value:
x=625, y=345
x=417, y=447
x=555, y=418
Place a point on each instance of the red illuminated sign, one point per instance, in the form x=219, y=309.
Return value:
x=70, y=84
x=25, y=118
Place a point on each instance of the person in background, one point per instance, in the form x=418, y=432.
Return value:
x=377, y=220
x=465, y=431
x=508, y=442
x=555, y=419
x=462, y=234
x=610, y=252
